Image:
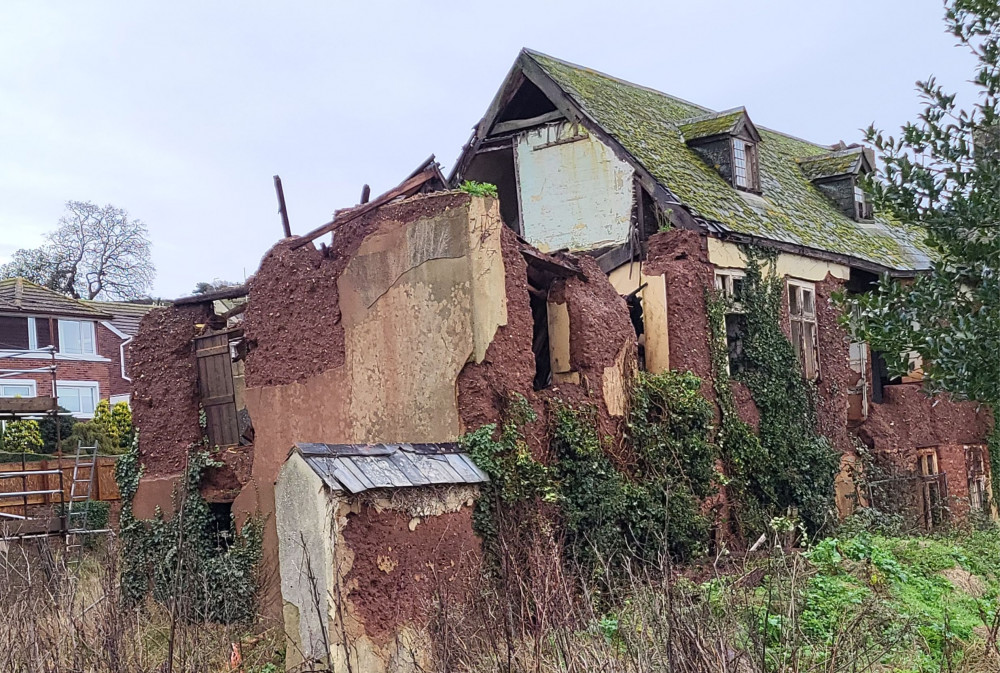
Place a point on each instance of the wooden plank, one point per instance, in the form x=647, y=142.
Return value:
x=518, y=124
x=213, y=401
x=26, y=405
x=405, y=189
x=214, y=350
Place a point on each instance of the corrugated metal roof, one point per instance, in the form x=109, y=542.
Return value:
x=358, y=467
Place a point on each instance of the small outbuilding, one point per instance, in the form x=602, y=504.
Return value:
x=368, y=536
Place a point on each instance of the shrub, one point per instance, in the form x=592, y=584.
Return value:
x=21, y=437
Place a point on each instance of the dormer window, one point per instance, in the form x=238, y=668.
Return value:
x=836, y=175
x=727, y=141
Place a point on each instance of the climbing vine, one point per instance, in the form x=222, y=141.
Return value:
x=608, y=511
x=786, y=464
x=183, y=562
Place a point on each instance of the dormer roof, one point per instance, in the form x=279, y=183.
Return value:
x=855, y=160
x=732, y=122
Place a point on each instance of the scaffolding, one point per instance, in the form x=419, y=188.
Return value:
x=14, y=526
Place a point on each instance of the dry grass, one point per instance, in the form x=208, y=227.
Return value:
x=58, y=618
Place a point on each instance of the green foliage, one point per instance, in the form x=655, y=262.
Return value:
x=47, y=425
x=608, y=512
x=786, y=464
x=181, y=560
x=98, y=517
x=943, y=174
x=115, y=423
x=478, y=188
x=21, y=437
x=89, y=433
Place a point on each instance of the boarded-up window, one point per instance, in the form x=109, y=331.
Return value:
x=857, y=393
x=13, y=333
x=215, y=383
x=804, y=337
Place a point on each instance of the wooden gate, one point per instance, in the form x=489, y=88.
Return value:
x=215, y=381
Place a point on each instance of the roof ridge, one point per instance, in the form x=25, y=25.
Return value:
x=713, y=115
x=709, y=111
x=533, y=53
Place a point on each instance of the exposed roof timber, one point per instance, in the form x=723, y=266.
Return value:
x=517, y=124
x=550, y=264
x=409, y=187
x=234, y=292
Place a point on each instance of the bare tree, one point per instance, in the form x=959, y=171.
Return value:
x=96, y=253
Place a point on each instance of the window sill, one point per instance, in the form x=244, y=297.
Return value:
x=45, y=355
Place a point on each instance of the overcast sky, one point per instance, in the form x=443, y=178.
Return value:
x=181, y=112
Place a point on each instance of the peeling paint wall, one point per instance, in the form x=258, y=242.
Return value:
x=728, y=256
x=575, y=193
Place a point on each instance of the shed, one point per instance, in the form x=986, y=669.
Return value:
x=368, y=534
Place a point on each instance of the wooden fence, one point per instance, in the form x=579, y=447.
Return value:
x=104, y=486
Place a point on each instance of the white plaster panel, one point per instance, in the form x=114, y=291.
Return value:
x=575, y=193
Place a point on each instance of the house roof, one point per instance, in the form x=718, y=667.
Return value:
x=18, y=295
x=125, y=316
x=358, y=467
x=647, y=125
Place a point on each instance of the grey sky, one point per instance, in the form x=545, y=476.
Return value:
x=181, y=112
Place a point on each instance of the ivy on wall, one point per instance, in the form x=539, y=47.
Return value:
x=183, y=562
x=607, y=512
x=786, y=464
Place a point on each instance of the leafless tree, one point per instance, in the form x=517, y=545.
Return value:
x=98, y=252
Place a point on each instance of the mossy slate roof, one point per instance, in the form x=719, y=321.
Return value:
x=648, y=125
x=38, y=300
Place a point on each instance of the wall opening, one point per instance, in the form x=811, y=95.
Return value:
x=495, y=165
x=540, y=336
x=932, y=488
x=634, y=303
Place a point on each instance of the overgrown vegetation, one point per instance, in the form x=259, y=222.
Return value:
x=478, y=188
x=786, y=466
x=608, y=512
x=857, y=603
x=182, y=561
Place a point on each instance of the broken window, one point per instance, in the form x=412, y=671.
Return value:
x=730, y=283
x=804, y=333
x=862, y=209
x=975, y=465
x=931, y=488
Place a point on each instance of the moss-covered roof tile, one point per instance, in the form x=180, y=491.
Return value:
x=791, y=209
x=711, y=125
x=842, y=162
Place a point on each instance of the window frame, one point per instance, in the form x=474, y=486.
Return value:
x=93, y=337
x=747, y=162
x=93, y=385
x=725, y=282
x=31, y=383
x=806, y=353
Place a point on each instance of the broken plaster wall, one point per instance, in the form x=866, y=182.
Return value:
x=365, y=343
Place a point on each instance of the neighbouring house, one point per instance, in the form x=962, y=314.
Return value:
x=340, y=377
x=83, y=340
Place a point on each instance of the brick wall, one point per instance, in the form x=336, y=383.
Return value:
x=66, y=370
x=109, y=345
